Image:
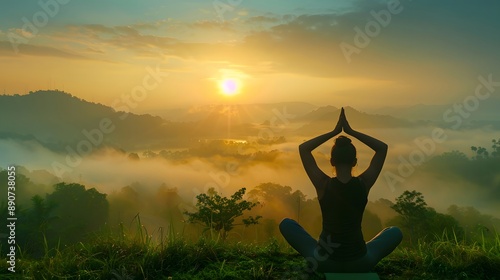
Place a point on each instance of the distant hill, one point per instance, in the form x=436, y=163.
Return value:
x=414, y=112
x=243, y=113
x=326, y=116
x=485, y=115
x=319, y=114
x=302, y=118
x=57, y=119
x=486, y=112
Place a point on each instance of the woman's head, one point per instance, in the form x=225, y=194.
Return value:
x=343, y=152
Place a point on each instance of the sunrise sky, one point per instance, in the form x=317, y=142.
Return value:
x=283, y=50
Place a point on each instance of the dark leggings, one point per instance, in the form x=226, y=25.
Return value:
x=380, y=246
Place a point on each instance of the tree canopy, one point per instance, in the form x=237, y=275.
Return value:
x=219, y=213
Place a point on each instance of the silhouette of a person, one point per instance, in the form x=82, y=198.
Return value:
x=341, y=246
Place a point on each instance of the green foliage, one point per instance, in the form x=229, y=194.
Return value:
x=268, y=192
x=475, y=224
x=496, y=148
x=482, y=153
x=77, y=210
x=421, y=222
x=63, y=217
x=411, y=207
x=219, y=213
x=447, y=257
x=25, y=188
x=111, y=255
x=435, y=223
x=477, y=175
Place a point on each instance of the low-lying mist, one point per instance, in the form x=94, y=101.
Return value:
x=110, y=170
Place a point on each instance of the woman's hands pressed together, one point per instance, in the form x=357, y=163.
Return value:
x=339, y=126
x=342, y=124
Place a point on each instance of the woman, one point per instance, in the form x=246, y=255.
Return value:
x=341, y=246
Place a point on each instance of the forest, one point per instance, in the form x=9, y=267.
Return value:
x=70, y=216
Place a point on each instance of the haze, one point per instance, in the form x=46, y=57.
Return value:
x=283, y=51
x=427, y=65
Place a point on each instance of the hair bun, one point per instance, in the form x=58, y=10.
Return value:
x=342, y=141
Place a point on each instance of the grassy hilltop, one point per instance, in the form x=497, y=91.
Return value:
x=137, y=256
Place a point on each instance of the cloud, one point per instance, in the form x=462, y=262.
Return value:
x=92, y=50
x=212, y=24
x=429, y=40
x=6, y=49
x=263, y=19
x=21, y=32
x=155, y=25
x=117, y=38
x=96, y=29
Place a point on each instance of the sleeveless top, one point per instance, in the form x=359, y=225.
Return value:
x=342, y=207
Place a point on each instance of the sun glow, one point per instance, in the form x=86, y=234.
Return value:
x=230, y=86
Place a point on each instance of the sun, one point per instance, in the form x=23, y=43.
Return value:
x=230, y=86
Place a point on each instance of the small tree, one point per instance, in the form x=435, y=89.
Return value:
x=219, y=213
x=412, y=208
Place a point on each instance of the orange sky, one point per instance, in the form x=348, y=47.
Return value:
x=417, y=52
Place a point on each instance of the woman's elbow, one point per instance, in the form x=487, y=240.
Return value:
x=386, y=147
x=302, y=148
x=383, y=147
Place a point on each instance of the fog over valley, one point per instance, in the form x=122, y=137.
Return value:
x=234, y=146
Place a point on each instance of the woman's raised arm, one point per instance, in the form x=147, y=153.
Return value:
x=315, y=174
x=370, y=175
